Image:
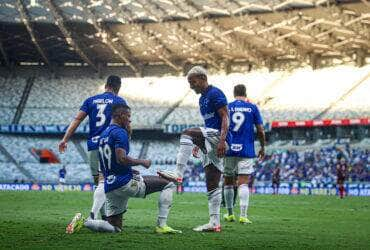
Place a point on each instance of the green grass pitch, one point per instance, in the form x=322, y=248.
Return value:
x=38, y=219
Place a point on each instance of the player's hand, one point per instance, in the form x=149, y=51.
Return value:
x=147, y=163
x=135, y=172
x=261, y=154
x=221, y=149
x=196, y=152
x=62, y=146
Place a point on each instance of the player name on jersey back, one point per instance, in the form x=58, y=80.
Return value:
x=103, y=101
x=240, y=109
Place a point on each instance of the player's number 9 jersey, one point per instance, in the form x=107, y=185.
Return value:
x=243, y=118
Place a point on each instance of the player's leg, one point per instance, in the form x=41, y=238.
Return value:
x=213, y=176
x=61, y=183
x=187, y=140
x=341, y=188
x=243, y=191
x=98, y=200
x=116, y=203
x=99, y=194
x=166, y=188
x=245, y=169
x=229, y=183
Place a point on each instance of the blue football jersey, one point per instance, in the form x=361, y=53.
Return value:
x=243, y=117
x=115, y=174
x=62, y=173
x=99, y=110
x=209, y=102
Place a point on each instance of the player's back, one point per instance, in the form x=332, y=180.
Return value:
x=243, y=117
x=99, y=109
x=116, y=175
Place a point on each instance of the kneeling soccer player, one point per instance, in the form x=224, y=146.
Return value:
x=121, y=182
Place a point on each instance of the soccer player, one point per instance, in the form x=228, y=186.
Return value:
x=62, y=176
x=213, y=140
x=121, y=182
x=276, y=180
x=98, y=108
x=240, y=157
x=341, y=176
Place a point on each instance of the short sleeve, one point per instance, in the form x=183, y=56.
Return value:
x=122, y=101
x=85, y=106
x=121, y=139
x=257, y=117
x=219, y=99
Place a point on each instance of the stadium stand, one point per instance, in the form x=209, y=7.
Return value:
x=55, y=101
x=315, y=165
x=10, y=173
x=11, y=90
x=300, y=161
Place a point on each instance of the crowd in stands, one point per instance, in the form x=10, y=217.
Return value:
x=317, y=166
x=11, y=90
x=297, y=95
x=315, y=163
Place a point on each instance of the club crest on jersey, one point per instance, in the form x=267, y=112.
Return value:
x=236, y=147
x=111, y=179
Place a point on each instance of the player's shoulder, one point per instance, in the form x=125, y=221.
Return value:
x=215, y=89
x=94, y=97
x=215, y=92
x=118, y=131
x=119, y=99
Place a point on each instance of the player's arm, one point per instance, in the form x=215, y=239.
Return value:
x=260, y=133
x=262, y=139
x=81, y=115
x=224, y=114
x=124, y=159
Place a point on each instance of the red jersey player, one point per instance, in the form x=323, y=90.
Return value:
x=341, y=176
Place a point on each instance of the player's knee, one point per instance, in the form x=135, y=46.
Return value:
x=229, y=180
x=170, y=185
x=96, y=180
x=166, y=197
x=243, y=180
x=115, y=220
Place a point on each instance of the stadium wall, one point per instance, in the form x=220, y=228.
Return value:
x=353, y=189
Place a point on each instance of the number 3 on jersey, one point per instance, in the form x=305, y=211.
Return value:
x=101, y=115
x=237, y=118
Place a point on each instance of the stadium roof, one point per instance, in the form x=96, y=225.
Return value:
x=176, y=32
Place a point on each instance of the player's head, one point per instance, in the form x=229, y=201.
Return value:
x=121, y=115
x=240, y=90
x=197, y=78
x=113, y=84
x=342, y=160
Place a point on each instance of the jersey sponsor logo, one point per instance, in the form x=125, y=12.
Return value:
x=208, y=116
x=236, y=147
x=95, y=139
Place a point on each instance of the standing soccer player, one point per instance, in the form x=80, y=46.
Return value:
x=121, y=182
x=213, y=140
x=341, y=176
x=240, y=158
x=99, y=110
